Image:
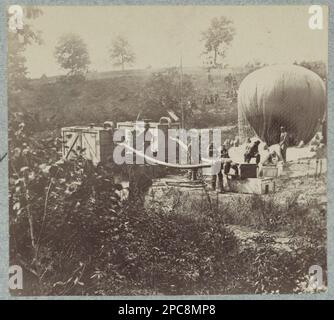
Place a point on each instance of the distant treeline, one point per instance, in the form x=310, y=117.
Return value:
x=206, y=97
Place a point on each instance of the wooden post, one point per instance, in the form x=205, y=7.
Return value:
x=316, y=168
x=194, y=174
x=71, y=148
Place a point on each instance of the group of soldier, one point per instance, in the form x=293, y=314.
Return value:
x=251, y=152
x=210, y=99
x=223, y=166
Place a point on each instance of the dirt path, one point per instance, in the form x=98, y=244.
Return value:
x=252, y=238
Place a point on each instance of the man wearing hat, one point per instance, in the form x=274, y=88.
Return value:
x=253, y=152
x=284, y=143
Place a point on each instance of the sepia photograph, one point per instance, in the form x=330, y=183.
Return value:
x=167, y=150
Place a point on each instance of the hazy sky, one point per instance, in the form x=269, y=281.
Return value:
x=159, y=35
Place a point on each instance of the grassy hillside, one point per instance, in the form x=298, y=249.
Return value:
x=125, y=95
x=118, y=96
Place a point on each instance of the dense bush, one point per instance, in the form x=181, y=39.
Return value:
x=262, y=265
x=70, y=230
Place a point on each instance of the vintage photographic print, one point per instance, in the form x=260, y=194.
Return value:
x=167, y=150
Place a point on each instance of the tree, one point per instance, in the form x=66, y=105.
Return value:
x=217, y=39
x=121, y=53
x=254, y=65
x=72, y=55
x=163, y=92
x=318, y=67
x=20, y=36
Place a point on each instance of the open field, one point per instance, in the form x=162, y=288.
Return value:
x=268, y=212
x=285, y=223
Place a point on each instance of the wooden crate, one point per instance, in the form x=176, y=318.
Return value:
x=247, y=170
x=270, y=171
x=252, y=185
x=94, y=143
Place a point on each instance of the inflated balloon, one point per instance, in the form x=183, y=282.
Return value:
x=283, y=95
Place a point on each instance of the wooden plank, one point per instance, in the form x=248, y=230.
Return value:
x=252, y=185
x=71, y=147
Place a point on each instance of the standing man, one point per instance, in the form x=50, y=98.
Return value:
x=215, y=170
x=142, y=141
x=324, y=130
x=110, y=127
x=284, y=143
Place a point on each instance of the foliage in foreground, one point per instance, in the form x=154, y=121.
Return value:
x=73, y=235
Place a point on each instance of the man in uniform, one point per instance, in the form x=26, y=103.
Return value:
x=284, y=143
x=223, y=165
x=216, y=169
